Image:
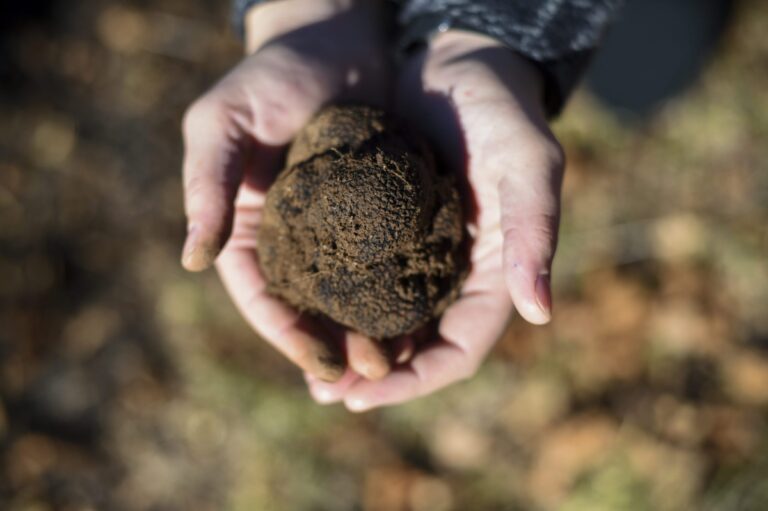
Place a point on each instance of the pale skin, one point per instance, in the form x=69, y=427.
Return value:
x=480, y=105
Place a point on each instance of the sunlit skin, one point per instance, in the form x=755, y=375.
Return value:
x=479, y=103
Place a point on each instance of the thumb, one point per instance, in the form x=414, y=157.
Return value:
x=213, y=168
x=530, y=216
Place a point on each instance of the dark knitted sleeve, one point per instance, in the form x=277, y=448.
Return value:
x=558, y=36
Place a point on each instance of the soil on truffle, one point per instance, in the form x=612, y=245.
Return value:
x=360, y=227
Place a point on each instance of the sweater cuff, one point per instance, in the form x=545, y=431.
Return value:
x=239, y=10
x=557, y=36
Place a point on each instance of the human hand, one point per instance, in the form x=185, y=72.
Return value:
x=304, y=54
x=481, y=105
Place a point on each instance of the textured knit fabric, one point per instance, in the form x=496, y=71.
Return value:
x=239, y=8
x=559, y=36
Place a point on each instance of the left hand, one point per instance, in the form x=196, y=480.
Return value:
x=481, y=106
x=303, y=54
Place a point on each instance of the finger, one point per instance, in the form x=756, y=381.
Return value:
x=529, y=221
x=297, y=336
x=403, y=349
x=367, y=357
x=467, y=331
x=330, y=392
x=429, y=371
x=213, y=163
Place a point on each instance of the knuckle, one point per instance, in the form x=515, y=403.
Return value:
x=287, y=82
x=196, y=186
x=538, y=233
x=208, y=196
x=292, y=87
x=544, y=225
x=203, y=111
x=546, y=155
x=541, y=225
x=288, y=101
x=553, y=153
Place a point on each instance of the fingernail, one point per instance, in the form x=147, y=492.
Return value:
x=356, y=405
x=371, y=366
x=196, y=256
x=374, y=370
x=544, y=295
x=329, y=369
x=406, y=351
x=189, y=244
x=323, y=396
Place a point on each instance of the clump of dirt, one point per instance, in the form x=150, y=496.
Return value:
x=360, y=227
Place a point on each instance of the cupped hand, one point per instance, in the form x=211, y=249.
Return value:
x=305, y=53
x=481, y=105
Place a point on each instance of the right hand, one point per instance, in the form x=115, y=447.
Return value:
x=481, y=106
x=304, y=54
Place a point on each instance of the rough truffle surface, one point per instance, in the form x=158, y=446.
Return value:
x=360, y=227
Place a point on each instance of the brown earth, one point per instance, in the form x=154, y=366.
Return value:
x=360, y=226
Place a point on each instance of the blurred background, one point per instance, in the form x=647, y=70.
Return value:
x=127, y=384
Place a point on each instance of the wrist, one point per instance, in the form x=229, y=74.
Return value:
x=459, y=60
x=268, y=20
